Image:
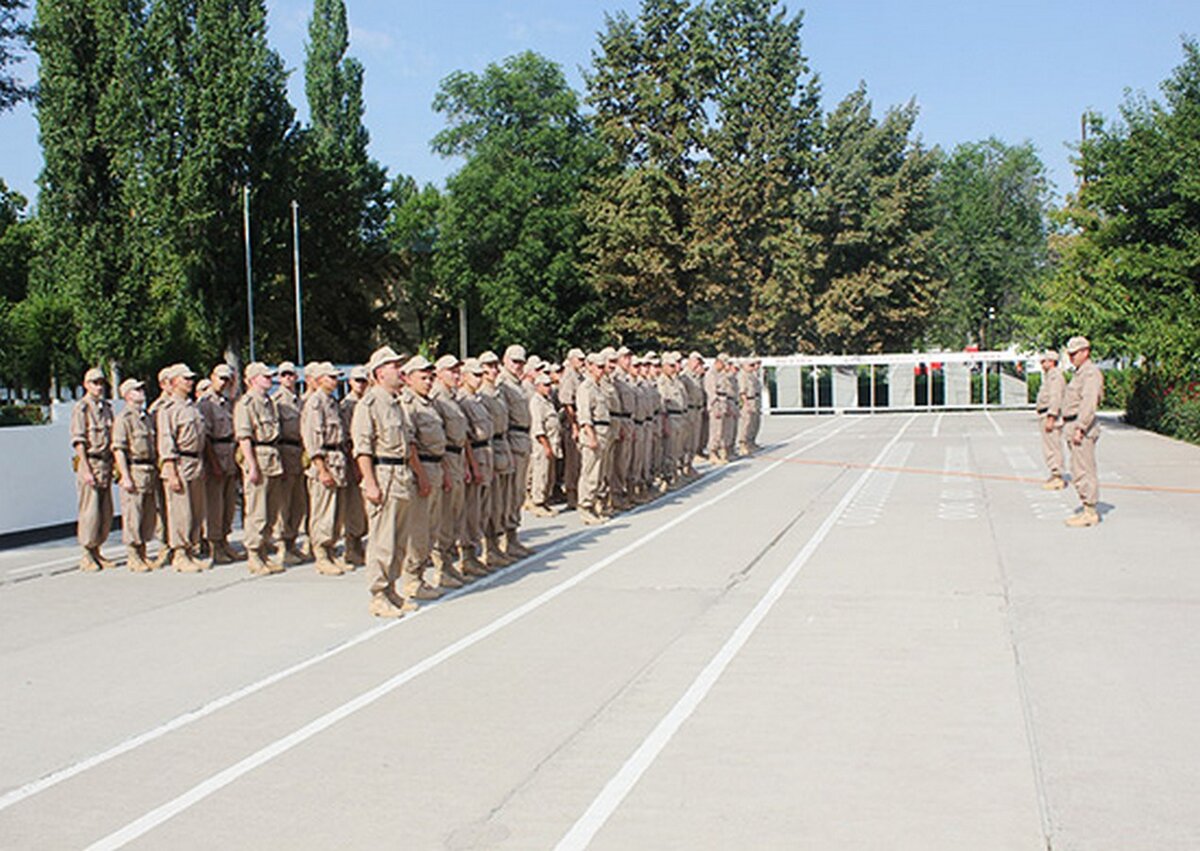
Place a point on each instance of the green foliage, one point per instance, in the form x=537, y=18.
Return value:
x=992, y=201
x=14, y=36
x=1169, y=406
x=509, y=225
x=420, y=312
x=21, y=415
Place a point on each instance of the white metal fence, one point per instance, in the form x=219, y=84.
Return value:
x=917, y=381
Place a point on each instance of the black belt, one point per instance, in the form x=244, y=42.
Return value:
x=187, y=454
x=622, y=416
x=383, y=459
x=1042, y=410
x=600, y=422
x=146, y=462
x=640, y=422
x=289, y=442
x=1071, y=418
x=332, y=447
x=480, y=444
x=254, y=442
x=674, y=411
x=694, y=407
x=221, y=439
x=456, y=450
x=524, y=429
x=99, y=456
x=429, y=459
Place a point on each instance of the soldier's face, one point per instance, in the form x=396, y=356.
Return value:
x=358, y=385
x=470, y=381
x=450, y=377
x=135, y=397
x=219, y=383
x=95, y=388
x=287, y=380
x=328, y=383
x=490, y=370
x=388, y=376
x=420, y=381
x=260, y=382
x=516, y=367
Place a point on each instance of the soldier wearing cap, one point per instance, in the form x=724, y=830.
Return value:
x=382, y=436
x=497, y=509
x=293, y=500
x=450, y=534
x=642, y=414
x=479, y=462
x=624, y=429
x=546, y=431
x=613, y=398
x=324, y=437
x=133, y=442
x=693, y=379
x=427, y=453
x=729, y=423
x=516, y=396
x=160, y=498
x=256, y=428
x=181, y=441
x=220, y=468
x=1049, y=406
x=1082, y=429
x=572, y=375
x=591, y=411
x=749, y=388
x=674, y=397
x=354, y=515
x=91, y=440
x=714, y=394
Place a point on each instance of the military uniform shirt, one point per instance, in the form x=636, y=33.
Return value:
x=324, y=435
x=133, y=435
x=381, y=430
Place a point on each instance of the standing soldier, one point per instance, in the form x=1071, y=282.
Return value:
x=572, y=375
x=693, y=382
x=294, y=498
x=382, y=436
x=613, y=399
x=546, y=431
x=256, y=427
x=674, y=396
x=354, y=515
x=729, y=386
x=220, y=479
x=714, y=394
x=1049, y=408
x=1082, y=428
x=160, y=498
x=479, y=461
x=427, y=457
x=450, y=533
x=180, y=428
x=91, y=439
x=591, y=411
x=749, y=392
x=517, y=399
x=133, y=450
x=324, y=438
x=496, y=504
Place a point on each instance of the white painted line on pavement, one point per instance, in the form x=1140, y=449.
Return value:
x=995, y=424
x=937, y=424
x=157, y=816
x=614, y=792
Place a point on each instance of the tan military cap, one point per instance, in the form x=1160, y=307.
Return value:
x=473, y=366
x=181, y=370
x=1076, y=344
x=258, y=368
x=556, y=367
x=542, y=378
x=447, y=362
x=129, y=384
x=575, y=353
x=670, y=358
x=93, y=374
x=488, y=357
x=416, y=362
x=535, y=364
x=321, y=368
x=358, y=373
x=382, y=355
x=608, y=353
x=1050, y=354
x=286, y=366
x=203, y=386
x=597, y=358
x=514, y=352
x=696, y=355
x=223, y=370
x=164, y=374
x=624, y=350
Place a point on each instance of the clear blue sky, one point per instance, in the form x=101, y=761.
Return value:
x=1016, y=70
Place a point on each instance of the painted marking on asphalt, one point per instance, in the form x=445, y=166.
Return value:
x=995, y=424
x=937, y=424
x=958, y=499
x=868, y=506
x=152, y=819
x=614, y=792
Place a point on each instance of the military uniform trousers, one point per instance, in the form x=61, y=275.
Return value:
x=1052, y=446
x=220, y=502
x=1083, y=468
x=95, y=505
x=729, y=426
x=451, y=529
x=716, y=428
x=676, y=444
x=139, y=514
x=324, y=513
x=293, y=506
x=476, y=494
x=592, y=469
x=261, y=513
x=423, y=514
x=541, y=475
x=622, y=457
x=354, y=513
x=571, y=462
x=185, y=513
x=515, y=498
x=387, y=531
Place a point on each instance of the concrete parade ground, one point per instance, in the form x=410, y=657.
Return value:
x=877, y=633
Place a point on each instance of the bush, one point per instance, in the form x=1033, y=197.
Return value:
x=19, y=415
x=1168, y=406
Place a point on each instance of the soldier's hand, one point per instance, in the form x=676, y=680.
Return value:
x=447, y=483
x=423, y=486
x=1049, y=424
x=1077, y=439
x=593, y=444
x=372, y=494
x=128, y=486
x=175, y=483
x=327, y=479
x=549, y=452
x=89, y=478
x=255, y=475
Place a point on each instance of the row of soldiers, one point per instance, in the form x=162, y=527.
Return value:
x=431, y=463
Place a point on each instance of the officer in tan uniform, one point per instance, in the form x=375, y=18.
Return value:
x=572, y=375
x=91, y=440
x=1049, y=405
x=181, y=441
x=382, y=437
x=220, y=468
x=624, y=430
x=496, y=510
x=591, y=412
x=1082, y=429
x=427, y=457
x=674, y=396
x=693, y=377
x=714, y=394
x=613, y=399
x=293, y=501
x=160, y=523
x=324, y=437
x=479, y=462
x=516, y=397
x=749, y=390
x=354, y=515
x=729, y=386
x=546, y=431
x=256, y=429
x=133, y=443
x=450, y=533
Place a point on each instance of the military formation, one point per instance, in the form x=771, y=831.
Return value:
x=418, y=471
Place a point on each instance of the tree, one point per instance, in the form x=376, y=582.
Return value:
x=14, y=36
x=510, y=224
x=865, y=246
x=647, y=86
x=1128, y=273
x=419, y=313
x=992, y=203
x=341, y=191
x=760, y=149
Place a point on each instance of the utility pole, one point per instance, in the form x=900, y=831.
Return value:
x=249, y=277
x=296, y=267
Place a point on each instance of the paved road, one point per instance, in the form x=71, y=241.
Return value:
x=876, y=634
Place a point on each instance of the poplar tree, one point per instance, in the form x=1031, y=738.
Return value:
x=14, y=35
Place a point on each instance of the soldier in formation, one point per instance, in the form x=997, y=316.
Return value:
x=1049, y=407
